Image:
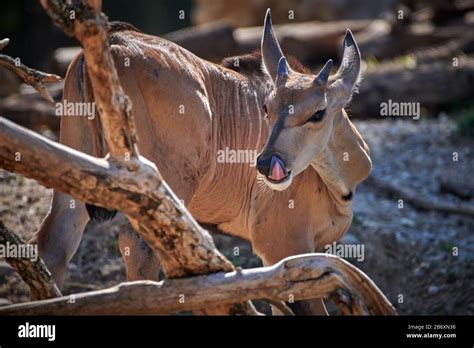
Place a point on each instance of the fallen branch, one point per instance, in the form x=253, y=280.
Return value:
x=32, y=77
x=423, y=203
x=302, y=277
x=34, y=273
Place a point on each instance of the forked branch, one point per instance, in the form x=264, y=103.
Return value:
x=32, y=77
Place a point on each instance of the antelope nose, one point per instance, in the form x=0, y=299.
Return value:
x=272, y=167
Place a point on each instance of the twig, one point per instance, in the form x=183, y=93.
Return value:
x=32, y=77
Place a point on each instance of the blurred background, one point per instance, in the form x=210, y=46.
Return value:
x=416, y=51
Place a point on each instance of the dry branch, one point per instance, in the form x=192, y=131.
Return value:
x=34, y=274
x=32, y=77
x=304, y=277
x=420, y=202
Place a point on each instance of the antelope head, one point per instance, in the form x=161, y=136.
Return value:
x=301, y=109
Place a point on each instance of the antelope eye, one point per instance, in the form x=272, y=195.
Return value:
x=264, y=107
x=317, y=116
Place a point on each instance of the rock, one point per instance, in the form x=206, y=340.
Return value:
x=433, y=289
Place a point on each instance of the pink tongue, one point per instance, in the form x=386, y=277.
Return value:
x=277, y=171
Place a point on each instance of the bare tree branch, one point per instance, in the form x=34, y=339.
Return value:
x=32, y=77
x=34, y=273
x=303, y=277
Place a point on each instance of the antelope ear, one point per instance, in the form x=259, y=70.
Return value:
x=347, y=78
x=271, y=51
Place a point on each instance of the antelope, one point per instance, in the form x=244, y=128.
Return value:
x=295, y=199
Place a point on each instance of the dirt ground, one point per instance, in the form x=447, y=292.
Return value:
x=408, y=252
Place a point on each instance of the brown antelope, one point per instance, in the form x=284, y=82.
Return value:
x=187, y=110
